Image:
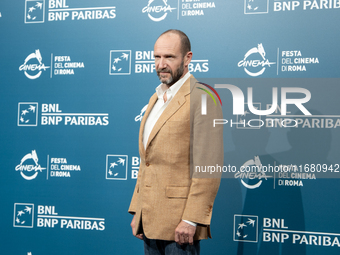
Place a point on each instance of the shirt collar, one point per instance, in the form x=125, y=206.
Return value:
x=171, y=92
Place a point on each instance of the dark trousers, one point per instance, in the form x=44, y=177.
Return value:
x=161, y=247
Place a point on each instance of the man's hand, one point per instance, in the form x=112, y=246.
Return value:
x=133, y=226
x=184, y=233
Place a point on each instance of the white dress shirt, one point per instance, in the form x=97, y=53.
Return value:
x=160, y=105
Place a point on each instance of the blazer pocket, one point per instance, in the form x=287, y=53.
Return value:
x=177, y=192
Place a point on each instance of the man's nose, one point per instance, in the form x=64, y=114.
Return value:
x=162, y=63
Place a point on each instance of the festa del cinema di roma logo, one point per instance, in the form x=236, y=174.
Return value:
x=33, y=65
x=29, y=163
x=259, y=174
x=155, y=11
x=254, y=62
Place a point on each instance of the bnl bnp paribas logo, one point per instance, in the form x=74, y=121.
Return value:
x=120, y=62
x=256, y=6
x=34, y=11
x=245, y=228
x=255, y=62
x=23, y=215
x=144, y=63
x=158, y=10
x=28, y=114
x=52, y=115
x=47, y=217
x=59, y=10
x=116, y=167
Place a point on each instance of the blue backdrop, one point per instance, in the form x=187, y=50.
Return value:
x=76, y=76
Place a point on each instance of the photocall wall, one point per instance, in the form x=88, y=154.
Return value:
x=76, y=77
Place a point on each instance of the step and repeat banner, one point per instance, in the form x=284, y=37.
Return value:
x=76, y=77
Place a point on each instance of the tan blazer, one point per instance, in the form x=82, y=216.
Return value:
x=165, y=193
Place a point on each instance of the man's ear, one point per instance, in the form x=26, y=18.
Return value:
x=187, y=58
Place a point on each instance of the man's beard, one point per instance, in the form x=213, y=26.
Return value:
x=173, y=78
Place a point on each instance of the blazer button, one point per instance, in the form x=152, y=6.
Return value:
x=147, y=164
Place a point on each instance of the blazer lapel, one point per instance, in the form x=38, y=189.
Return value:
x=173, y=106
x=152, y=102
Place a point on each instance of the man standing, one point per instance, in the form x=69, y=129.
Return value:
x=172, y=201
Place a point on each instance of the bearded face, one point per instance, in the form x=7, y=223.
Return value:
x=168, y=76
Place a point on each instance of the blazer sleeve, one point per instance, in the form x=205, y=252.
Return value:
x=206, y=155
x=133, y=203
